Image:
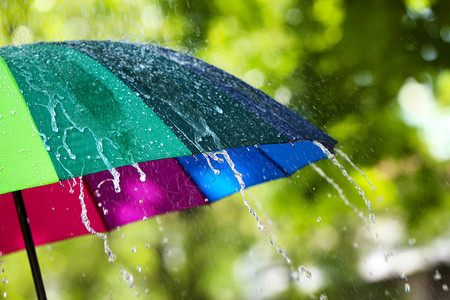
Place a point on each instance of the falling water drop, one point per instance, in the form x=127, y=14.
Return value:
x=437, y=276
x=407, y=287
x=127, y=277
x=323, y=296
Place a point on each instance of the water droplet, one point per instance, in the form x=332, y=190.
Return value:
x=5, y=281
x=124, y=236
x=12, y=112
x=144, y=218
x=372, y=218
x=139, y=268
x=323, y=296
x=147, y=245
x=147, y=291
x=412, y=241
x=407, y=287
x=4, y=294
x=127, y=277
x=319, y=219
x=437, y=275
x=105, y=211
x=445, y=287
x=261, y=226
x=133, y=249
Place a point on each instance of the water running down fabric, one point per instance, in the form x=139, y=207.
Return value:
x=81, y=108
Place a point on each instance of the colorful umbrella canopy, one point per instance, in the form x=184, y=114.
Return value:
x=81, y=108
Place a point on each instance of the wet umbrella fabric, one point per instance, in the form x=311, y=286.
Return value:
x=80, y=108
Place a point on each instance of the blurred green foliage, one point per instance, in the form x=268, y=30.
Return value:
x=341, y=64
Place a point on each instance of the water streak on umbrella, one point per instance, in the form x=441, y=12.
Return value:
x=332, y=157
x=87, y=224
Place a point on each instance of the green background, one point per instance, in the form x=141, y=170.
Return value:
x=374, y=74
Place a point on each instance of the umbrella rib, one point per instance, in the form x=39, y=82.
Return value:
x=189, y=177
x=273, y=162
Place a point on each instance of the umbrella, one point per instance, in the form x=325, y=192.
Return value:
x=135, y=121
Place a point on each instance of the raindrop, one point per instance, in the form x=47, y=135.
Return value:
x=133, y=249
x=147, y=291
x=144, y=218
x=437, y=276
x=5, y=281
x=407, y=287
x=127, y=277
x=147, y=245
x=139, y=268
x=97, y=194
x=412, y=241
x=319, y=219
x=105, y=211
x=445, y=287
x=323, y=296
x=12, y=112
x=4, y=294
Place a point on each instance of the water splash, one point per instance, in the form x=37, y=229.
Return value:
x=87, y=224
x=332, y=157
x=115, y=180
x=238, y=176
x=127, y=277
x=345, y=156
x=340, y=192
x=142, y=175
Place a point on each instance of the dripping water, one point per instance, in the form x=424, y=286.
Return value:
x=345, y=156
x=142, y=176
x=252, y=212
x=87, y=224
x=340, y=192
x=332, y=157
